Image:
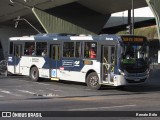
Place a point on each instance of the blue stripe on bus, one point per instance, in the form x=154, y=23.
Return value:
x=70, y=64
x=12, y=60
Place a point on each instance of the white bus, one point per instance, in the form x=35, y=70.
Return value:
x=95, y=60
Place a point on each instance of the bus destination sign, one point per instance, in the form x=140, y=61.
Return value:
x=133, y=39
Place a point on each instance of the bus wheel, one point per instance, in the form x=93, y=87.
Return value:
x=93, y=81
x=34, y=74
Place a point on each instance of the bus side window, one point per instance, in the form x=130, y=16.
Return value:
x=11, y=48
x=29, y=48
x=41, y=49
x=68, y=49
x=90, y=50
x=78, y=50
x=18, y=50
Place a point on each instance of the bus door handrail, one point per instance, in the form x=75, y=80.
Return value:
x=106, y=64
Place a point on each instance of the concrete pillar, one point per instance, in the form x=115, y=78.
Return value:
x=154, y=6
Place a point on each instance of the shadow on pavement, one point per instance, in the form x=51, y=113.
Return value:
x=152, y=85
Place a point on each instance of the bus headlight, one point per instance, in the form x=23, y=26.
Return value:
x=148, y=71
x=121, y=72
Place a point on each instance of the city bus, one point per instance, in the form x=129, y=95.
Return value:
x=114, y=60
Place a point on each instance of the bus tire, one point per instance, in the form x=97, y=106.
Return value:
x=34, y=74
x=93, y=81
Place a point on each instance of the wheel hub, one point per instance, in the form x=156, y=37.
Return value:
x=93, y=81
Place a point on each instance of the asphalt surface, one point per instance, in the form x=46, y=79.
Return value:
x=18, y=93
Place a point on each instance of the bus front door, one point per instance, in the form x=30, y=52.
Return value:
x=55, y=54
x=17, y=57
x=108, y=55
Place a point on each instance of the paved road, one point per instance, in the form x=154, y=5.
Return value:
x=18, y=93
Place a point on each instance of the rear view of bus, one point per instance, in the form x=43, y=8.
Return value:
x=134, y=59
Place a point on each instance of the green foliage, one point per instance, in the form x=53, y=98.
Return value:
x=149, y=32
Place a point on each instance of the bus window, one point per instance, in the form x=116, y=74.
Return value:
x=55, y=52
x=41, y=48
x=18, y=50
x=68, y=49
x=78, y=50
x=90, y=50
x=29, y=48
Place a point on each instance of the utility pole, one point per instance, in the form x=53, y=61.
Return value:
x=132, y=17
x=129, y=26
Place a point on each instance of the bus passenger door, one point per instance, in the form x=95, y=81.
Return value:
x=108, y=55
x=17, y=57
x=55, y=54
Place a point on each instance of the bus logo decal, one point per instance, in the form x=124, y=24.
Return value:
x=10, y=59
x=109, y=38
x=76, y=63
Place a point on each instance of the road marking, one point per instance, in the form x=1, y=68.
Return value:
x=82, y=109
x=25, y=91
x=34, y=82
x=82, y=98
x=55, y=90
x=59, y=90
x=50, y=95
x=8, y=92
x=33, y=93
x=4, y=91
x=42, y=83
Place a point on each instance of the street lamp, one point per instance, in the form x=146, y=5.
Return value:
x=20, y=19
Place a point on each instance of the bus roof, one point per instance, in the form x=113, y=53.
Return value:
x=65, y=37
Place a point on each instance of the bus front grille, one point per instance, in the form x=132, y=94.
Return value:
x=135, y=81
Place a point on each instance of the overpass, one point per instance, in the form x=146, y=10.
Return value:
x=84, y=16
x=143, y=17
x=61, y=16
x=115, y=28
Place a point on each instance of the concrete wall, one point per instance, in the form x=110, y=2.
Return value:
x=6, y=32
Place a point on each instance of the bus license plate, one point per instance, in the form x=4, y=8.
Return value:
x=136, y=80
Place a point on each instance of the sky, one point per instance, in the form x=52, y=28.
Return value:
x=141, y=12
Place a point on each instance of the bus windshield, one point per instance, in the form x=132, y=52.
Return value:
x=133, y=52
x=135, y=57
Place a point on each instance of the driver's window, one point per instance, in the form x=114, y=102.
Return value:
x=129, y=52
